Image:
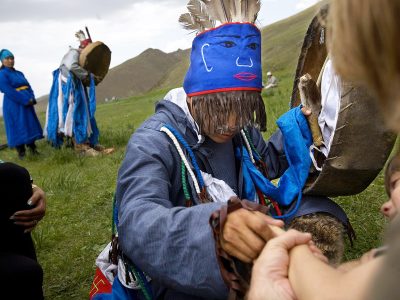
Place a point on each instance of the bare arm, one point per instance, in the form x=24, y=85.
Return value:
x=306, y=273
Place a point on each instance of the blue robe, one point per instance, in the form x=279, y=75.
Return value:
x=83, y=115
x=21, y=123
x=171, y=243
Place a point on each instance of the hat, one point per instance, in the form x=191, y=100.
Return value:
x=226, y=57
x=82, y=39
x=269, y=73
x=224, y=77
x=4, y=53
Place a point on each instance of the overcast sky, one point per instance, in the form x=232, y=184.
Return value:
x=39, y=32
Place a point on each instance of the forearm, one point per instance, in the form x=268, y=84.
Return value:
x=20, y=97
x=79, y=71
x=311, y=278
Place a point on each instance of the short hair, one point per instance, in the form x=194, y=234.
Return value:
x=364, y=41
x=393, y=166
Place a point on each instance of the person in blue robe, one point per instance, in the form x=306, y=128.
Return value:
x=20, y=120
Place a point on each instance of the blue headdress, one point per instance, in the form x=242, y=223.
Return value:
x=4, y=53
x=225, y=63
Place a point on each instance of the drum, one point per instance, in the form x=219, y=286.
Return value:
x=361, y=143
x=96, y=58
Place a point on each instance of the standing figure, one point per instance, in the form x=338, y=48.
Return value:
x=22, y=125
x=71, y=110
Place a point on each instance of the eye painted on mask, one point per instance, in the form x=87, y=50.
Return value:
x=253, y=46
x=228, y=44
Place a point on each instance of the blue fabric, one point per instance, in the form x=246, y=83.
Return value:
x=84, y=110
x=225, y=58
x=52, y=114
x=297, y=140
x=4, y=53
x=94, y=137
x=119, y=292
x=20, y=120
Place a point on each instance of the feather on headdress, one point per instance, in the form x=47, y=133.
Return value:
x=80, y=35
x=204, y=14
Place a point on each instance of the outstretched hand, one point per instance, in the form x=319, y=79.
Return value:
x=29, y=218
x=269, y=278
x=245, y=233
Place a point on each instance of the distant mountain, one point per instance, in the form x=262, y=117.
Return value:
x=153, y=69
x=139, y=75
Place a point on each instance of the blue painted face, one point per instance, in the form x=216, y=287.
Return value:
x=226, y=58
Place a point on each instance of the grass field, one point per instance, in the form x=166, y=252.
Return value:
x=79, y=195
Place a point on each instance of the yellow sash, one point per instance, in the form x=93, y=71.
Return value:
x=21, y=88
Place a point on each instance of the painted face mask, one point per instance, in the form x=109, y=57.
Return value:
x=225, y=58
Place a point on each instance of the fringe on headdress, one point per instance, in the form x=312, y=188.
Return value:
x=212, y=111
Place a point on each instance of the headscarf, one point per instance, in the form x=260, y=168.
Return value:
x=4, y=53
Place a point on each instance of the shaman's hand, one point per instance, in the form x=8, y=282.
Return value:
x=245, y=233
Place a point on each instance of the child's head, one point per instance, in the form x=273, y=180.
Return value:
x=392, y=185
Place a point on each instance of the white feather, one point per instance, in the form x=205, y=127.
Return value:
x=204, y=14
x=80, y=35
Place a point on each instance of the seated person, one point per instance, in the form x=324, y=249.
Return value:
x=272, y=81
x=23, y=206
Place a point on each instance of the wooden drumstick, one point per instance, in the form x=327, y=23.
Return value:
x=310, y=98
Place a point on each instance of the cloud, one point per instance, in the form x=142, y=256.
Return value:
x=303, y=4
x=68, y=10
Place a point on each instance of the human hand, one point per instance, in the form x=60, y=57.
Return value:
x=269, y=278
x=29, y=218
x=306, y=111
x=245, y=233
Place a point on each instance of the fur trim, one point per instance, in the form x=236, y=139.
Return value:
x=327, y=234
x=212, y=111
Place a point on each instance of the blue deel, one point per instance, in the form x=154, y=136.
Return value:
x=226, y=58
x=20, y=120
